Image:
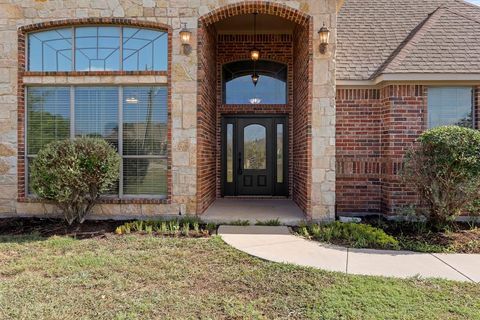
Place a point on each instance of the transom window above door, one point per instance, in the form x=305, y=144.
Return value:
x=98, y=48
x=238, y=87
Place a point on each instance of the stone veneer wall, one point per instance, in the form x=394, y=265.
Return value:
x=184, y=92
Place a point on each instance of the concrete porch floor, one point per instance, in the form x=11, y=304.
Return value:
x=229, y=210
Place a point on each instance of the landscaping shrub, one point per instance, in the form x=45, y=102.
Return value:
x=175, y=227
x=444, y=169
x=352, y=234
x=74, y=173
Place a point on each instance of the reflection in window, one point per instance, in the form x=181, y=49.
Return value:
x=229, y=152
x=144, y=49
x=280, y=153
x=450, y=106
x=48, y=119
x=96, y=114
x=145, y=121
x=98, y=48
x=239, y=89
x=255, y=147
x=144, y=176
x=145, y=112
x=48, y=116
x=50, y=50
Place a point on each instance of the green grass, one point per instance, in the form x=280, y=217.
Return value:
x=145, y=277
x=271, y=223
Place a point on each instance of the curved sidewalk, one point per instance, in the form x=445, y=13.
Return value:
x=279, y=245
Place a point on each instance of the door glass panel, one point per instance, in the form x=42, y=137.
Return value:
x=229, y=153
x=255, y=147
x=279, y=153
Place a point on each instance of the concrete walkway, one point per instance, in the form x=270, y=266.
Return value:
x=279, y=245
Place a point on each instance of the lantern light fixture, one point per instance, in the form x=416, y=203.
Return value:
x=324, y=34
x=185, y=34
x=255, y=78
x=254, y=53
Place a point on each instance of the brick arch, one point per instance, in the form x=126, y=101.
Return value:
x=246, y=56
x=93, y=21
x=261, y=7
x=210, y=109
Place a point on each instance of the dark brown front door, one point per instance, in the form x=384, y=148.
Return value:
x=254, y=156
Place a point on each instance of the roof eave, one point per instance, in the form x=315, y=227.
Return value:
x=413, y=77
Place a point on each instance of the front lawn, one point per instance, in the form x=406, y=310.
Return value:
x=147, y=277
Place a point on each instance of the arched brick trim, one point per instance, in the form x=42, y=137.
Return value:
x=261, y=7
x=22, y=33
x=24, y=30
x=208, y=109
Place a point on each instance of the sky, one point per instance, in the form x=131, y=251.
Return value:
x=477, y=2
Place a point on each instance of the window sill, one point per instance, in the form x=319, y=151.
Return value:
x=95, y=73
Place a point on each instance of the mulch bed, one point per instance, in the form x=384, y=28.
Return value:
x=460, y=237
x=57, y=227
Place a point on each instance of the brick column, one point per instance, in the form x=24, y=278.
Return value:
x=404, y=119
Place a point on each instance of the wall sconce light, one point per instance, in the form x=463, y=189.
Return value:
x=185, y=36
x=324, y=33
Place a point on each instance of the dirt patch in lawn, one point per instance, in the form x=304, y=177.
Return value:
x=56, y=227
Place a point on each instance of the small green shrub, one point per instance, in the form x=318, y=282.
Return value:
x=444, y=169
x=173, y=227
x=74, y=173
x=239, y=223
x=273, y=223
x=352, y=234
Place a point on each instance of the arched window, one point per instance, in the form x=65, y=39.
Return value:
x=238, y=87
x=98, y=48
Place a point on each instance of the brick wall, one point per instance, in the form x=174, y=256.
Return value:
x=207, y=119
x=404, y=110
x=274, y=47
x=375, y=127
x=359, y=161
x=302, y=127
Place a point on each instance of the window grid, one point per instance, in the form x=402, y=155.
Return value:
x=123, y=158
x=121, y=62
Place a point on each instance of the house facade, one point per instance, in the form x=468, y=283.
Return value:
x=210, y=99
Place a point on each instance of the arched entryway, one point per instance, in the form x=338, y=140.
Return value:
x=283, y=36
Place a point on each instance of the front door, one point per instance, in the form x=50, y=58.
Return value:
x=254, y=156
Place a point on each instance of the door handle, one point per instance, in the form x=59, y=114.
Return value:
x=240, y=166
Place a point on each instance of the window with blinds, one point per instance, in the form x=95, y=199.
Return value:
x=450, y=106
x=134, y=120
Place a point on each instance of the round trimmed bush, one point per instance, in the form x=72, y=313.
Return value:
x=74, y=173
x=444, y=168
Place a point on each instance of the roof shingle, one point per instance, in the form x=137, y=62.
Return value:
x=407, y=36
